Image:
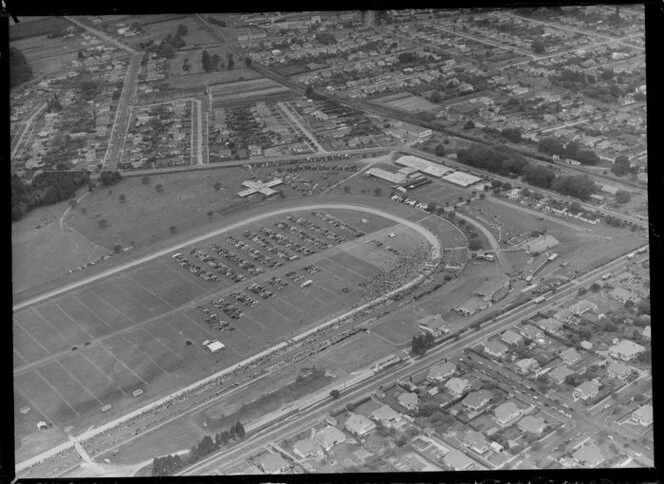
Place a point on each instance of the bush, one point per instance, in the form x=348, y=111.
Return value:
x=103, y=223
x=469, y=124
x=159, y=188
x=623, y=196
x=335, y=394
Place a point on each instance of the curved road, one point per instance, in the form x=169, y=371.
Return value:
x=430, y=237
x=331, y=206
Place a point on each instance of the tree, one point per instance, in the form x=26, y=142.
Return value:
x=103, y=223
x=538, y=47
x=469, y=124
x=185, y=65
x=378, y=191
x=582, y=291
x=173, y=229
x=335, y=393
x=239, y=430
x=159, y=188
x=475, y=244
x=440, y=150
x=205, y=61
x=217, y=186
x=117, y=248
x=182, y=30
x=73, y=203
x=551, y=146
x=512, y=134
x=435, y=97
x=210, y=213
x=623, y=196
x=309, y=91
x=20, y=70
x=122, y=198
x=231, y=62
x=621, y=166
x=483, y=195
x=346, y=189
x=247, y=61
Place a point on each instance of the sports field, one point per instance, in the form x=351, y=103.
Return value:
x=245, y=89
x=143, y=328
x=407, y=102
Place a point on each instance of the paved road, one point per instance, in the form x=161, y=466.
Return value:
x=502, y=260
x=303, y=420
x=27, y=124
x=287, y=111
x=104, y=36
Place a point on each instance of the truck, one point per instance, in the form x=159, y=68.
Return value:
x=606, y=276
x=306, y=283
x=539, y=299
x=631, y=256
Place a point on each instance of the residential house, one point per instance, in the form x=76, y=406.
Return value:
x=495, y=348
x=359, y=425
x=646, y=332
x=441, y=372
x=529, y=423
x=329, y=437
x=511, y=338
x=564, y=316
x=476, y=441
x=559, y=374
x=619, y=370
x=581, y=307
x=472, y=305
x=386, y=415
x=507, y=412
x=526, y=366
x=494, y=289
x=533, y=333
x=273, y=463
x=586, y=390
x=477, y=400
x=456, y=386
x=433, y=324
x=307, y=448
x=626, y=350
x=458, y=461
x=409, y=400
x=589, y=455
x=550, y=325
x=643, y=415
x=570, y=355
x=623, y=295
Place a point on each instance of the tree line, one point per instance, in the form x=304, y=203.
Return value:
x=47, y=188
x=19, y=69
x=167, y=465
x=502, y=161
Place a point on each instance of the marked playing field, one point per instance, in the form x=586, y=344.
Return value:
x=124, y=378
x=41, y=330
x=76, y=395
x=96, y=381
x=108, y=370
x=35, y=388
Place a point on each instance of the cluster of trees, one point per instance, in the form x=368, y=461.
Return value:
x=90, y=89
x=326, y=38
x=621, y=166
x=407, y=58
x=512, y=134
x=538, y=176
x=19, y=69
x=46, y=188
x=108, y=177
x=421, y=343
x=538, y=46
x=212, y=62
x=554, y=146
x=623, y=196
x=497, y=159
x=164, y=466
x=53, y=105
x=217, y=22
x=578, y=186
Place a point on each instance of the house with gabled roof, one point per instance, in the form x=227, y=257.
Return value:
x=581, y=307
x=589, y=455
x=511, y=338
x=526, y=366
x=495, y=348
x=570, y=355
x=478, y=399
x=456, y=386
x=439, y=373
x=626, y=350
x=329, y=437
x=619, y=370
x=507, y=412
x=559, y=374
x=586, y=390
x=529, y=423
x=359, y=425
x=476, y=441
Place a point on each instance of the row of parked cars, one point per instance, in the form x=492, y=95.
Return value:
x=268, y=245
x=308, y=224
x=227, y=271
x=332, y=220
x=255, y=254
x=194, y=269
x=408, y=201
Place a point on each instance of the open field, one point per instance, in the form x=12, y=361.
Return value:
x=42, y=251
x=157, y=29
x=196, y=66
x=406, y=102
x=146, y=215
x=357, y=353
x=137, y=329
x=440, y=193
x=230, y=92
x=36, y=26
x=47, y=56
x=207, y=78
